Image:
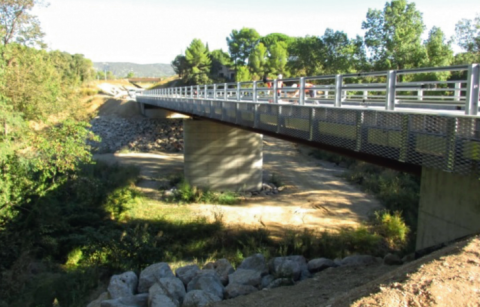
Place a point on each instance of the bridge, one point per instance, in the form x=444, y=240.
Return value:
x=403, y=119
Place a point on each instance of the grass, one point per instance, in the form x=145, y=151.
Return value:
x=184, y=193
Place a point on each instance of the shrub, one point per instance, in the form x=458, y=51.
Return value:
x=392, y=228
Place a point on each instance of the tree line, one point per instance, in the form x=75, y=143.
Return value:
x=392, y=40
x=42, y=125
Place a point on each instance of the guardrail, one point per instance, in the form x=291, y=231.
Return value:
x=390, y=90
x=399, y=116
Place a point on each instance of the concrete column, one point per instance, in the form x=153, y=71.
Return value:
x=449, y=207
x=221, y=157
x=141, y=107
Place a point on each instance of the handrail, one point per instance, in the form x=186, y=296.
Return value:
x=305, y=90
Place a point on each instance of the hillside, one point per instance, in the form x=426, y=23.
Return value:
x=121, y=69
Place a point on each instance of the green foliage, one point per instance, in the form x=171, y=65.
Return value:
x=392, y=228
x=394, y=35
x=17, y=25
x=467, y=34
x=186, y=194
x=243, y=74
x=241, y=44
x=277, y=61
x=198, y=63
x=257, y=61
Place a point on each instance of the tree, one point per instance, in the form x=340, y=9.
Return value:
x=18, y=25
x=271, y=39
x=243, y=74
x=305, y=56
x=257, y=61
x=394, y=35
x=241, y=44
x=198, y=62
x=340, y=54
x=180, y=65
x=130, y=75
x=467, y=34
x=219, y=59
x=277, y=61
x=438, y=51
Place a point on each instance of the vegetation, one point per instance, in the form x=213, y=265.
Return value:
x=399, y=192
x=67, y=224
x=393, y=40
x=184, y=193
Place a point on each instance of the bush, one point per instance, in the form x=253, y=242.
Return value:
x=187, y=194
x=392, y=228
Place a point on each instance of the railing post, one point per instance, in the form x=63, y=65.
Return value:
x=338, y=90
x=458, y=91
x=365, y=96
x=301, y=94
x=391, y=85
x=225, y=87
x=275, y=96
x=238, y=91
x=205, y=91
x=191, y=91
x=471, y=103
x=215, y=91
x=254, y=91
x=311, y=118
x=420, y=95
x=198, y=92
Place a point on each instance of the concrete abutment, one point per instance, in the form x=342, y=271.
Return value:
x=449, y=207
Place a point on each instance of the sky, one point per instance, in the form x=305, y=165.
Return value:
x=156, y=31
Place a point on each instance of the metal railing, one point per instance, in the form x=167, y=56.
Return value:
x=400, y=115
x=390, y=90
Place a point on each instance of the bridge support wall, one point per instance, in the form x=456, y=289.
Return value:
x=449, y=207
x=221, y=157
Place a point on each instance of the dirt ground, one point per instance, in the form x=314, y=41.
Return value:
x=314, y=195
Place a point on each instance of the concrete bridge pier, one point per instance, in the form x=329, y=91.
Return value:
x=220, y=157
x=449, y=207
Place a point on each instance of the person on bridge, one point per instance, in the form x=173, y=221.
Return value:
x=312, y=93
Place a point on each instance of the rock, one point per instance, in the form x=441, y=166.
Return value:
x=208, y=283
x=266, y=280
x=172, y=287
x=140, y=300
x=160, y=300
x=279, y=282
x=199, y=298
x=408, y=258
x=391, y=259
x=320, y=264
x=98, y=302
x=234, y=290
x=223, y=269
x=359, y=260
x=256, y=262
x=152, y=274
x=245, y=277
x=122, y=285
x=187, y=273
x=288, y=267
x=209, y=266
x=281, y=189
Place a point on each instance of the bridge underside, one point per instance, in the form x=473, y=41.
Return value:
x=444, y=148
